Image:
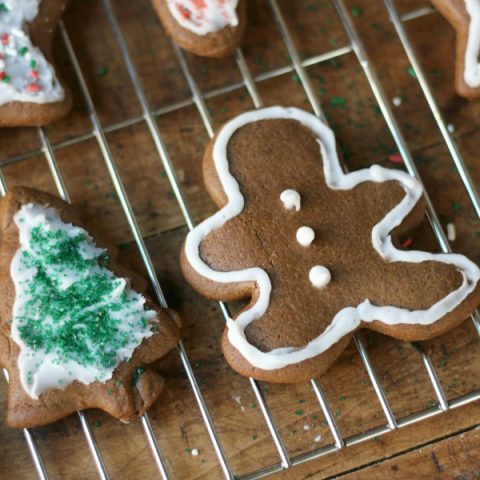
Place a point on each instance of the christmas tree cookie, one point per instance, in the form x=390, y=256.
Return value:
x=30, y=92
x=314, y=251
x=464, y=16
x=209, y=28
x=74, y=333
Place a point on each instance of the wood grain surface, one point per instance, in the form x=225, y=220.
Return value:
x=436, y=448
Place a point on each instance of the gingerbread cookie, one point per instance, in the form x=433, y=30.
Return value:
x=315, y=251
x=464, y=15
x=209, y=28
x=74, y=334
x=30, y=92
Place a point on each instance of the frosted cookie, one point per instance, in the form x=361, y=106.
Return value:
x=464, y=15
x=209, y=28
x=74, y=334
x=319, y=262
x=30, y=92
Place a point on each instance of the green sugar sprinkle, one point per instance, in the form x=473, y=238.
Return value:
x=136, y=376
x=356, y=11
x=71, y=307
x=22, y=52
x=299, y=413
x=411, y=72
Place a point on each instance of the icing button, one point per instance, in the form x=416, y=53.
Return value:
x=319, y=276
x=291, y=199
x=305, y=236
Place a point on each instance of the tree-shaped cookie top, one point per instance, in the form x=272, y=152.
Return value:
x=72, y=317
x=310, y=245
x=25, y=74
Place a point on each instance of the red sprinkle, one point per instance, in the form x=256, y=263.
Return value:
x=407, y=243
x=184, y=12
x=395, y=158
x=2, y=75
x=34, y=74
x=33, y=87
x=5, y=38
x=199, y=4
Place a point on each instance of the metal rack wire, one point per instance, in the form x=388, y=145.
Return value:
x=249, y=82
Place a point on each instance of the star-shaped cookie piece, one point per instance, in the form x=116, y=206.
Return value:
x=313, y=250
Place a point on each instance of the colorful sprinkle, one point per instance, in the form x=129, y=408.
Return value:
x=407, y=243
x=395, y=158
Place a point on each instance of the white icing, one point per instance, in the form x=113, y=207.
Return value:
x=41, y=370
x=204, y=16
x=347, y=319
x=320, y=276
x=25, y=74
x=471, y=73
x=291, y=199
x=305, y=236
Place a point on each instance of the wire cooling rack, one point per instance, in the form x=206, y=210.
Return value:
x=249, y=82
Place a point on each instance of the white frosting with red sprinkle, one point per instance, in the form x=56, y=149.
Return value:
x=204, y=16
x=25, y=74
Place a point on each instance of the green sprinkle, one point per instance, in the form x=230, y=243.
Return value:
x=118, y=384
x=443, y=362
x=33, y=63
x=6, y=79
x=314, y=417
x=97, y=423
x=411, y=72
x=342, y=398
x=23, y=51
x=136, y=376
x=253, y=405
x=188, y=450
x=338, y=413
x=109, y=392
x=338, y=101
x=299, y=413
x=456, y=206
x=102, y=71
x=301, y=400
x=296, y=78
x=356, y=11
x=254, y=437
x=3, y=8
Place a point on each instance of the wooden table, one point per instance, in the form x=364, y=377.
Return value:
x=446, y=446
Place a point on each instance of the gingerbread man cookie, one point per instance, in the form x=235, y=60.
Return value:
x=209, y=28
x=464, y=15
x=74, y=333
x=30, y=92
x=313, y=250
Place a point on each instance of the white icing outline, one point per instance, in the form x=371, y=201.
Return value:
x=471, y=73
x=218, y=16
x=349, y=318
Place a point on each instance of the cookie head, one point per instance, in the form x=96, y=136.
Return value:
x=313, y=275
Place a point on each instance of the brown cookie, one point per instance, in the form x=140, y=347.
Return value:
x=193, y=28
x=54, y=335
x=309, y=248
x=30, y=92
x=464, y=16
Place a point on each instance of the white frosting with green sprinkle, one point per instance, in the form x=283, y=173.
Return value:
x=72, y=318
